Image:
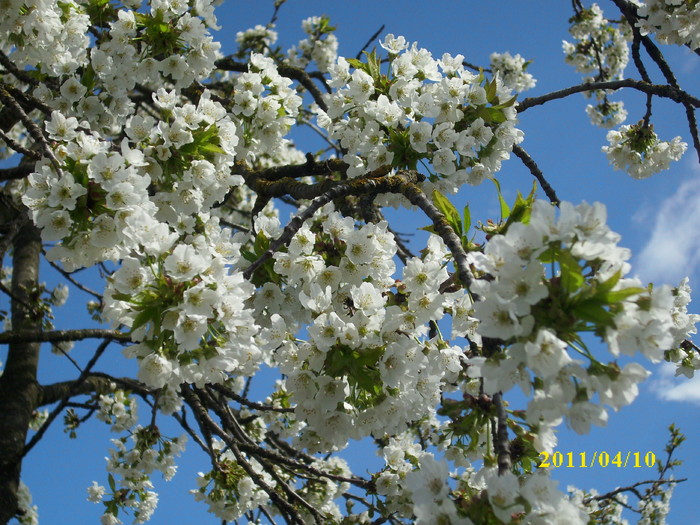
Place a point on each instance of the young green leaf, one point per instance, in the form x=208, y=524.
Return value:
x=505, y=209
x=449, y=211
x=571, y=276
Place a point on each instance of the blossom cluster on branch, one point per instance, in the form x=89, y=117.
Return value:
x=155, y=157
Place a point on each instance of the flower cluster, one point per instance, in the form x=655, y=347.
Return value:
x=422, y=110
x=170, y=43
x=685, y=356
x=601, y=52
x=362, y=370
x=258, y=39
x=672, y=21
x=99, y=205
x=637, y=150
x=186, y=312
x=600, y=47
x=229, y=491
x=607, y=114
x=167, y=46
x=50, y=37
x=512, y=70
x=539, y=318
x=130, y=470
x=321, y=45
x=118, y=410
x=265, y=107
x=28, y=514
x=416, y=484
x=145, y=143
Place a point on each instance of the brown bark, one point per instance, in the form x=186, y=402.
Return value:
x=19, y=389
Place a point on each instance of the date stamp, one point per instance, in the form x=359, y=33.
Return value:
x=602, y=459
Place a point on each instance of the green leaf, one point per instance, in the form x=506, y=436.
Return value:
x=122, y=296
x=491, y=115
x=211, y=148
x=88, y=78
x=491, y=91
x=449, y=211
x=606, y=286
x=522, y=209
x=467, y=219
x=571, y=276
x=508, y=103
x=374, y=63
x=261, y=244
x=593, y=311
x=621, y=295
x=505, y=209
x=357, y=64
x=144, y=317
x=111, y=483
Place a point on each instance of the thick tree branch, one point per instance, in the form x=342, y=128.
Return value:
x=58, y=336
x=16, y=172
x=19, y=390
x=18, y=73
x=92, y=384
x=502, y=445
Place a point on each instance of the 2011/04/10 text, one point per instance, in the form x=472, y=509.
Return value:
x=602, y=459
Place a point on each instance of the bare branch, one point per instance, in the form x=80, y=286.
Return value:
x=369, y=42
x=31, y=126
x=665, y=91
x=16, y=172
x=57, y=336
x=537, y=173
x=70, y=390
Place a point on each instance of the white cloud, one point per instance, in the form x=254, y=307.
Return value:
x=668, y=387
x=673, y=249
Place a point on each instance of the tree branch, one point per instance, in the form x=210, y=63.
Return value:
x=502, y=445
x=57, y=336
x=19, y=389
x=665, y=91
x=537, y=173
x=70, y=389
x=31, y=126
x=16, y=172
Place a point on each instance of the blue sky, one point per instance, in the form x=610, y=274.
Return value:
x=657, y=218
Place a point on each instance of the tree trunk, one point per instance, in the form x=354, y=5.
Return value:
x=19, y=389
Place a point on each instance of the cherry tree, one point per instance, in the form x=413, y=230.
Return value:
x=139, y=149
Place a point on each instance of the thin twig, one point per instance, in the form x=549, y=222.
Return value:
x=31, y=126
x=369, y=41
x=75, y=283
x=250, y=404
x=537, y=173
x=57, y=410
